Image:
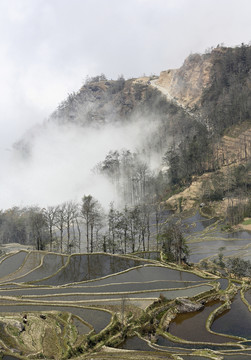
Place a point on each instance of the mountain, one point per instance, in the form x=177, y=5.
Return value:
x=189, y=121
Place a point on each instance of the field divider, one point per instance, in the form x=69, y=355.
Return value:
x=28, y=272
x=9, y=255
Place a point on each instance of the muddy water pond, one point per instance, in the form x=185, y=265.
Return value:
x=97, y=318
x=236, y=321
x=183, y=323
x=86, y=267
x=12, y=263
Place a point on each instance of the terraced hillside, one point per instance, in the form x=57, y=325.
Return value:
x=104, y=306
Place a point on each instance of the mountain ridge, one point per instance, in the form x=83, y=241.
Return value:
x=184, y=115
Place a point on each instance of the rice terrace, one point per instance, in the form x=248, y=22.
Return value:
x=125, y=182
x=100, y=305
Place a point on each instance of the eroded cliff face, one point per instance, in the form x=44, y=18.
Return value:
x=187, y=83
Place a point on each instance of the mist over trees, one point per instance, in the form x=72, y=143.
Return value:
x=84, y=226
x=173, y=146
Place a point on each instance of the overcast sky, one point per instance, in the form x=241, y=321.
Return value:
x=48, y=47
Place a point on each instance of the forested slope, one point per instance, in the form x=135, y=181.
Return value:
x=202, y=128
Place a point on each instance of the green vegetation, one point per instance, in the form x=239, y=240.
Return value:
x=239, y=267
x=246, y=222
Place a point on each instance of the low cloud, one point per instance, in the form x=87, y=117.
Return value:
x=62, y=157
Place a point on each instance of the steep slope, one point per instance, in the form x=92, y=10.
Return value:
x=186, y=84
x=101, y=103
x=182, y=116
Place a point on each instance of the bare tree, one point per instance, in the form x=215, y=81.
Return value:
x=71, y=213
x=50, y=215
x=91, y=212
x=38, y=226
x=60, y=222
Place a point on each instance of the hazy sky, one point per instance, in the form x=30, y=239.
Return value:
x=48, y=47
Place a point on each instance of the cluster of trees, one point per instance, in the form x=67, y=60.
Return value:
x=227, y=100
x=233, y=265
x=192, y=155
x=129, y=229
x=39, y=227
x=239, y=267
x=192, y=137
x=173, y=243
x=84, y=226
x=234, y=185
x=131, y=177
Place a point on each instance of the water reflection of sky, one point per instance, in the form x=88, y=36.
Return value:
x=229, y=321
x=205, y=239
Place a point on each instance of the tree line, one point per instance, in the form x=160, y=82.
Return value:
x=86, y=227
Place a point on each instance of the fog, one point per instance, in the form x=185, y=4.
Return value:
x=60, y=163
x=48, y=47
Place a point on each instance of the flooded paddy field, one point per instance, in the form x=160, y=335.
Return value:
x=166, y=343
x=169, y=294
x=149, y=273
x=205, y=237
x=237, y=357
x=236, y=321
x=51, y=263
x=12, y=263
x=95, y=288
x=87, y=267
x=107, y=289
x=194, y=357
x=135, y=343
x=248, y=296
x=31, y=262
x=183, y=323
x=210, y=248
x=223, y=283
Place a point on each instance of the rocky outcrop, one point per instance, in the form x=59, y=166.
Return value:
x=186, y=305
x=187, y=83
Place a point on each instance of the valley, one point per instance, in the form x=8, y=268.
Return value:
x=154, y=261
